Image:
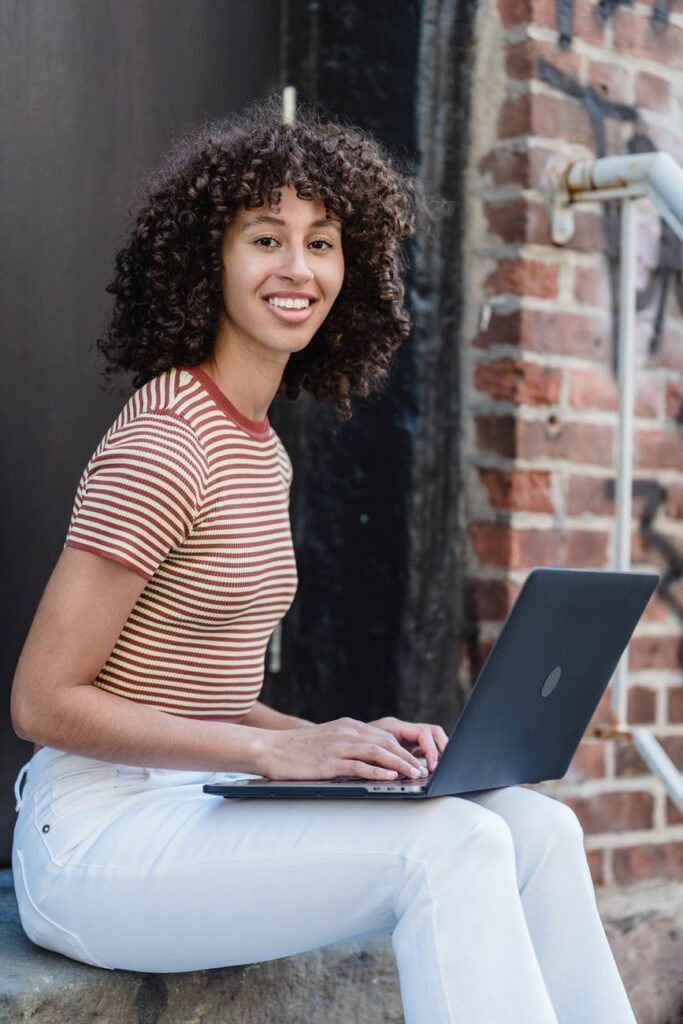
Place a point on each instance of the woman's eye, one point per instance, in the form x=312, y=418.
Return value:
x=270, y=238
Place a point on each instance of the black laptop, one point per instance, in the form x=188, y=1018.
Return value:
x=532, y=701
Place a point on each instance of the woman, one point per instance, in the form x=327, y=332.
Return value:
x=265, y=257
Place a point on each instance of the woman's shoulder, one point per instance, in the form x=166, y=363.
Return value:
x=159, y=410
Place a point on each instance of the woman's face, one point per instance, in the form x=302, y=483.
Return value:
x=271, y=255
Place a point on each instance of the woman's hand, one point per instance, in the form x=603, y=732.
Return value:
x=344, y=747
x=428, y=741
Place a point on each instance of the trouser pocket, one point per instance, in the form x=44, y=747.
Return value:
x=71, y=809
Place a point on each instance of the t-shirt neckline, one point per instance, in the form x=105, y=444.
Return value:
x=257, y=428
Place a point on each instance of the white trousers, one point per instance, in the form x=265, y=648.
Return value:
x=488, y=899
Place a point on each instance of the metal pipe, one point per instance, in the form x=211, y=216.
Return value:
x=659, y=172
x=625, y=178
x=624, y=476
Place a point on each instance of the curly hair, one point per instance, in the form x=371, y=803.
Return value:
x=168, y=282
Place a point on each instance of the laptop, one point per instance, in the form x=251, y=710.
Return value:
x=531, y=702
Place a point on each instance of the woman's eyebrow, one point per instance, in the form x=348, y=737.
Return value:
x=264, y=218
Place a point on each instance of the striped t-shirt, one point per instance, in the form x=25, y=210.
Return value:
x=191, y=494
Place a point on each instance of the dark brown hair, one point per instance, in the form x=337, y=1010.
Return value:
x=168, y=282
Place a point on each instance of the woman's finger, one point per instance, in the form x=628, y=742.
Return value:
x=392, y=742
x=375, y=753
x=364, y=771
x=428, y=746
x=440, y=737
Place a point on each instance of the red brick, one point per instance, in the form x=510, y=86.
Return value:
x=673, y=745
x=589, y=232
x=524, y=277
x=673, y=400
x=523, y=60
x=635, y=37
x=652, y=92
x=526, y=490
x=673, y=503
x=670, y=349
x=651, y=860
x=515, y=220
x=647, y=397
x=496, y=434
x=520, y=12
x=627, y=762
x=588, y=762
x=613, y=812
x=675, y=705
x=586, y=26
x=658, y=449
x=642, y=705
x=518, y=164
x=542, y=115
x=489, y=600
x=654, y=652
x=499, y=544
x=578, y=442
x=589, y=494
x=529, y=439
x=595, y=860
x=587, y=337
x=508, y=167
x=592, y=287
x=593, y=388
x=609, y=80
x=511, y=380
x=673, y=815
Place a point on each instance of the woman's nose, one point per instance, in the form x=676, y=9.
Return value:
x=295, y=264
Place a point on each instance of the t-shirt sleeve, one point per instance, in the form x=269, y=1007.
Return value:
x=140, y=493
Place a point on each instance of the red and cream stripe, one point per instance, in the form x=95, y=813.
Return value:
x=191, y=494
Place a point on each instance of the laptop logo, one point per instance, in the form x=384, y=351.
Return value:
x=551, y=682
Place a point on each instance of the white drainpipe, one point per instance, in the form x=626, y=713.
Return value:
x=627, y=178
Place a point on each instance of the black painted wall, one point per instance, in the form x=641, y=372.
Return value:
x=374, y=628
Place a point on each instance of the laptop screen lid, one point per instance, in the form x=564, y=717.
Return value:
x=543, y=678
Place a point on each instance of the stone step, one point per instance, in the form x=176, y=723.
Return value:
x=341, y=984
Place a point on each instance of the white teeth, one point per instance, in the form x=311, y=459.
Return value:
x=290, y=303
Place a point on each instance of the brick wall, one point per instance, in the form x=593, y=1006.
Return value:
x=553, y=82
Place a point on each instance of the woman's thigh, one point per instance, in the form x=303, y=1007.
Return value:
x=158, y=876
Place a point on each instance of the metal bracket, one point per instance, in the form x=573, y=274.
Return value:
x=609, y=731
x=560, y=201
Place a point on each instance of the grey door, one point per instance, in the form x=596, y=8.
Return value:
x=91, y=95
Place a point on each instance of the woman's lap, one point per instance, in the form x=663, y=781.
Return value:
x=153, y=874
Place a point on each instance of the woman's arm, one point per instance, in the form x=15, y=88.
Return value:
x=85, y=605
x=80, y=616
x=263, y=717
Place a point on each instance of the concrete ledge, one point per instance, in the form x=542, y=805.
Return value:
x=337, y=985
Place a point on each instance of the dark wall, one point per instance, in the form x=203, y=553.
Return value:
x=91, y=94
x=375, y=628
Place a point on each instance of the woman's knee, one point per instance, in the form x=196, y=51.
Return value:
x=559, y=823
x=450, y=825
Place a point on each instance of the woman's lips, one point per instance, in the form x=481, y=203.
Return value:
x=290, y=316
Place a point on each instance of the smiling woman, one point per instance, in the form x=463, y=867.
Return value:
x=274, y=191
x=266, y=257
x=276, y=296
